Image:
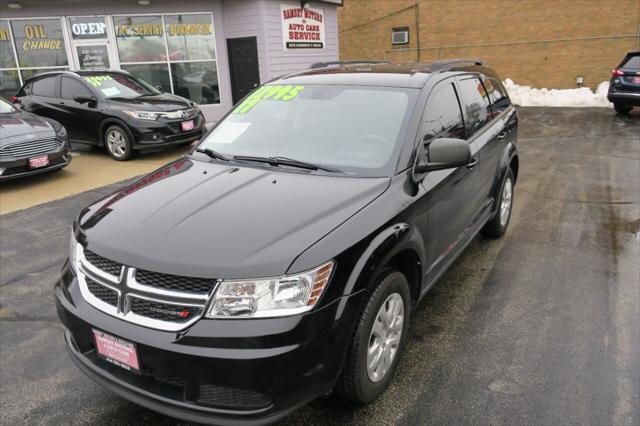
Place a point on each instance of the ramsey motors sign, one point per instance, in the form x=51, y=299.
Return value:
x=302, y=28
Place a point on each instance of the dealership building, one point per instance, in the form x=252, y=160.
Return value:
x=210, y=51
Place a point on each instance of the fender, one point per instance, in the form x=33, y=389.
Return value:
x=388, y=243
x=109, y=121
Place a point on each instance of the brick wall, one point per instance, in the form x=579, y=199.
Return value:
x=541, y=43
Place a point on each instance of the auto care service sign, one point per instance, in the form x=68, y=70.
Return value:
x=302, y=28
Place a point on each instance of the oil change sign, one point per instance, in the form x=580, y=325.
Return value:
x=302, y=28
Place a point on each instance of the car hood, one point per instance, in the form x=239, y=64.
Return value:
x=203, y=219
x=23, y=126
x=163, y=102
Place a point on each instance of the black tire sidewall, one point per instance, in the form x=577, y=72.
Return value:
x=390, y=282
x=622, y=109
x=129, y=151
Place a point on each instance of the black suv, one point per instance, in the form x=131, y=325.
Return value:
x=624, y=86
x=113, y=109
x=284, y=256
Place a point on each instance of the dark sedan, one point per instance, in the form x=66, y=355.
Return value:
x=30, y=144
x=624, y=87
x=113, y=109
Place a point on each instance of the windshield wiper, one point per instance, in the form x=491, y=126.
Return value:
x=286, y=161
x=213, y=154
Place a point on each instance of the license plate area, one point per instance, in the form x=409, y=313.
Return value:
x=116, y=351
x=38, y=162
x=188, y=125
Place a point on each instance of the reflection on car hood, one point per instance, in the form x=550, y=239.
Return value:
x=209, y=220
x=163, y=102
x=23, y=126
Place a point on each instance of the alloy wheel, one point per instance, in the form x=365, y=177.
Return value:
x=384, y=338
x=117, y=143
x=505, y=204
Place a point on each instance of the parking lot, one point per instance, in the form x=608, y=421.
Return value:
x=539, y=327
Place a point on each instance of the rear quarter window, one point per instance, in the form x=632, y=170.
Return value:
x=497, y=95
x=44, y=87
x=475, y=104
x=631, y=62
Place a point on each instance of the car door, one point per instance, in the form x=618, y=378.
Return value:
x=448, y=210
x=82, y=119
x=486, y=136
x=43, y=97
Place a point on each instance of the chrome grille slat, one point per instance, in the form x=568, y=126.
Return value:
x=146, y=305
x=31, y=148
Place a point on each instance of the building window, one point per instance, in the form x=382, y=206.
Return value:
x=29, y=47
x=400, y=35
x=175, y=52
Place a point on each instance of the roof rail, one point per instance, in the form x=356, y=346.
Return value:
x=327, y=64
x=450, y=63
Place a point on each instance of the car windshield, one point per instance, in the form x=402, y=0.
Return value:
x=120, y=85
x=6, y=107
x=356, y=129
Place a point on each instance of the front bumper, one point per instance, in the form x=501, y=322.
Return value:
x=19, y=167
x=149, y=135
x=217, y=371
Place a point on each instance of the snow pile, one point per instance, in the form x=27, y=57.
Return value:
x=580, y=97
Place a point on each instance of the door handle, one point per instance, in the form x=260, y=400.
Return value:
x=472, y=163
x=501, y=136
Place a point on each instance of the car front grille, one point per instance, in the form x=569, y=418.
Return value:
x=103, y=264
x=231, y=398
x=25, y=149
x=151, y=299
x=176, y=126
x=174, y=282
x=103, y=293
x=162, y=311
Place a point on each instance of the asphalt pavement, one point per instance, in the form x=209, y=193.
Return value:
x=540, y=327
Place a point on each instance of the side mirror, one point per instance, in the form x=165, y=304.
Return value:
x=85, y=99
x=444, y=153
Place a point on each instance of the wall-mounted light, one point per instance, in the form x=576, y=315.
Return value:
x=144, y=2
x=579, y=80
x=14, y=5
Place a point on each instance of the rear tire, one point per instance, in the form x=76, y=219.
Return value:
x=497, y=226
x=622, y=109
x=118, y=143
x=379, y=337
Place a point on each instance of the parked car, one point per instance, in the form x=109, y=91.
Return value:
x=30, y=144
x=284, y=256
x=113, y=109
x=624, y=86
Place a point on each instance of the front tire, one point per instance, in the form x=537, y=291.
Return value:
x=622, y=109
x=498, y=225
x=118, y=143
x=378, y=341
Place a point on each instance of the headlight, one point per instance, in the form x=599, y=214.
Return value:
x=270, y=297
x=73, y=252
x=62, y=133
x=143, y=115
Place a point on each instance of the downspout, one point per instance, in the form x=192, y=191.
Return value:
x=417, y=10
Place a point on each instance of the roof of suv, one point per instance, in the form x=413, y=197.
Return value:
x=410, y=75
x=79, y=73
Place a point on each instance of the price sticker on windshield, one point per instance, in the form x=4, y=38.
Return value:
x=274, y=93
x=96, y=80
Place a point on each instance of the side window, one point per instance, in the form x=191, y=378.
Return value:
x=476, y=104
x=443, y=117
x=497, y=94
x=44, y=87
x=70, y=88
